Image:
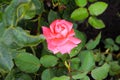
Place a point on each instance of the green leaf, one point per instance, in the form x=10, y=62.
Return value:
x=87, y=60
x=52, y=16
x=47, y=74
x=82, y=37
x=18, y=10
x=1, y=14
x=109, y=41
x=96, y=23
x=27, y=62
x=109, y=58
x=23, y=76
x=19, y=77
x=2, y=28
x=8, y=39
x=63, y=57
x=26, y=11
x=10, y=75
x=115, y=47
x=79, y=14
x=110, y=44
x=10, y=12
x=48, y=60
x=86, y=78
x=6, y=63
x=75, y=63
x=102, y=60
x=117, y=40
x=92, y=0
x=39, y=6
x=81, y=3
x=97, y=8
x=100, y=73
x=26, y=39
x=92, y=44
x=61, y=78
x=17, y=38
x=16, y=75
x=79, y=75
x=114, y=68
x=97, y=55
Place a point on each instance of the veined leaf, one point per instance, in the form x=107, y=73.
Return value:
x=22, y=9
x=97, y=8
x=87, y=60
x=100, y=73
x=17, y=37
x=48, y=60
x=61, y=78
x=10, y=12
x=117, y=40
x=96, y=23
x=81, y=3
x=79, y=14
x=6, y=63
x=93, y=43
x=49, y=73
x=27, y=62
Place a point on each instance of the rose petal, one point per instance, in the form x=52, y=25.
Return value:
x=59, y=27
x=64, y=33
x=57, y=36
x=71, y=33
x=59, y=41
x=46, y=31
x=52, y=47
x=53, y=24
x=67, y=47
x=75, y=40
x=68, y=24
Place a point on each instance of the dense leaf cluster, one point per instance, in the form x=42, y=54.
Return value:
x=23, y=49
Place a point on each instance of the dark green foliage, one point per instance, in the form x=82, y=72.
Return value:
x=23, y=49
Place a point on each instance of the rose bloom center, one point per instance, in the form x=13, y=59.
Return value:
x=59, y=28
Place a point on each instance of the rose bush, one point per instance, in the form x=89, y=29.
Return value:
x=24, y=54
x=60, y=36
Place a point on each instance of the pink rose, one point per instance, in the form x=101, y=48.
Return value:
x=60, y=36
